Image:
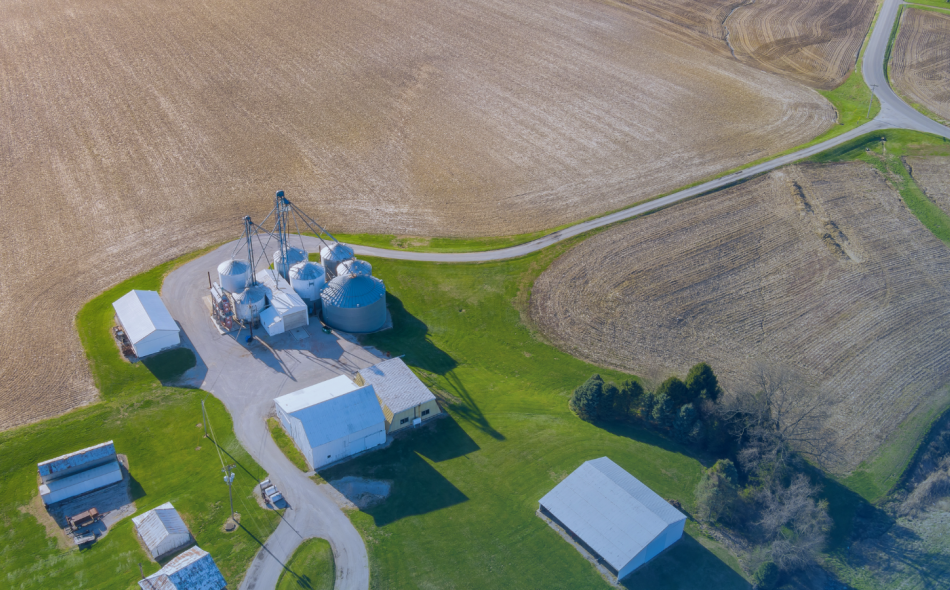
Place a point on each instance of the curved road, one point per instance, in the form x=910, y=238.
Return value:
x=313, y=513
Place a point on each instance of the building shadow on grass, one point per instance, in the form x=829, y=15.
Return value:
x=170, y=366
x=687, y=565
x=416, y=487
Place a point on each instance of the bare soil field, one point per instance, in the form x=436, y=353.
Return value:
x=815, y=42
x=821, y=268
x=133, y=132
x=920, y=60
x=932, y=175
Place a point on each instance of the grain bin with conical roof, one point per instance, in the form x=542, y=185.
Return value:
x=354, y=267
x=283, y=263
x=332, y=255
x=354, y=303
x=233, y=275
x=249, y=303
x=308, y=280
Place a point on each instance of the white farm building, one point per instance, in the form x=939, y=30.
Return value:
x=162, y=530
x=405, y=400
x=615, y=517
x=332, y=420
x=146, y=321
x=76, y=473
x=192, y=570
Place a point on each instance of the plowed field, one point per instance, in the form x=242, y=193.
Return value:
x=932, y=175
x=822, y=268
x=815, y=42
x=920, y=60
x=135, y=131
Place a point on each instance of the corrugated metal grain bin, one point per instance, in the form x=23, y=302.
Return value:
x=233, y=275
x=332, y=255
x=355, y=304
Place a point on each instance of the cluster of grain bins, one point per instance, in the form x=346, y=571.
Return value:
x=80, y=472
x=339, y=418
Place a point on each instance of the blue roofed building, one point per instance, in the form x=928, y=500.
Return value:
x=76, y=473
x=191, y=570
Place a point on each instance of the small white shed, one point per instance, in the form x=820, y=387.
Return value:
x=146, y=321
x=162, y=530
x=332, y=420
x=617, y=518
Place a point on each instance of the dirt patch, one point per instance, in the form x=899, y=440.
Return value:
x=815, y=42
x=920, y=60
x=135, y=132
x=819, y=267
x=932, y=175
x=362, y=493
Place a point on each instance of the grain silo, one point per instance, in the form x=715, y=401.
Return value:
x=354, y=267
x=354, y=303
x=233, y=275
x=332, y=255
x=308, y=280
x=249, y=303
x=293, y=256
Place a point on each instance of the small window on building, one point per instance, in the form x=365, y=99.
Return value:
x=328, y=456
x=425, y=412
x=404, y=420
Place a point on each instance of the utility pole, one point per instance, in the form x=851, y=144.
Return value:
x=228, y=479
x=870, y=101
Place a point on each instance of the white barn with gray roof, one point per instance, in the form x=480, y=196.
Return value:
x=332, y=420
x=405, y=400
x=162, y=530
x=146, y=321
x=615, y=517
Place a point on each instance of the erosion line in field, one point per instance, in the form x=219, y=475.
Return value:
x=737, y=7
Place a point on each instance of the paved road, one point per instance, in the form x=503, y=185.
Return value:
x=247, y=379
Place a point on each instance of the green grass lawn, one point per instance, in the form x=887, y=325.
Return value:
x=310, y=567
x=461, y=513
x=160, y=430
x=286, y=444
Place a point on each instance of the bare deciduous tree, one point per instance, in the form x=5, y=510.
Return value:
x=776, y=414
x=796, y=525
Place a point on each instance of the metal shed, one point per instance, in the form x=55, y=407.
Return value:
x=192, y=570
x=286, y=310
x=615, y=517
x=332, y=420
x=146, y=320
x=79, y=472
x=355, y=303
x=405, y=400
x=162, y=530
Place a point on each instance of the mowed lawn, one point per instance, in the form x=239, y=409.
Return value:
x=309, y=568
x=160, y=430
x=461, y=513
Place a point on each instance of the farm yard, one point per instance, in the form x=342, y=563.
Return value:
x=814, y=42
x=137, y=132
x=820, y=267
x=920, y=60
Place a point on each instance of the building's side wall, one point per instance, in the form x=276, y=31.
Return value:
x=394, y=424
x=295, y=429
x=671, y=534
x=156, y=342
x=170, y=544
x=350, y=445
x=407, y=415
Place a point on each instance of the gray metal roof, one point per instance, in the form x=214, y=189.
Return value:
x=354, y=267
x=76, y=458
x=396, y=385
x=234, y=266
x=335, y=252
x=191, y=570
x=610, y=510
x=157, y=524
x=353, y=291
x=340, y=416
x=141, y=313
x=306, y=271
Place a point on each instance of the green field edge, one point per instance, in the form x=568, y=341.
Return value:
x=286, y=444
x=311, y=567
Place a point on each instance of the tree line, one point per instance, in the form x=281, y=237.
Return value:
x=766, y=436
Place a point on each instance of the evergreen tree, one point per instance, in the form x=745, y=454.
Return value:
x=664, y=410
x=587, y=398
x=647, y=403
x=702, y=383
x=631, y=396
x=684, y=423
x=608, y=407
x=675, y=389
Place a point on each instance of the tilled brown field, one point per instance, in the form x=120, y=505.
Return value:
x=932, y=175
x=920, y=59
x=815, y=42
x=821, y=268
x=136, y=131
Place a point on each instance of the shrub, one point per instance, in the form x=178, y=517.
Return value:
x=588, y=398
x=717, y=493
x=765, y=576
